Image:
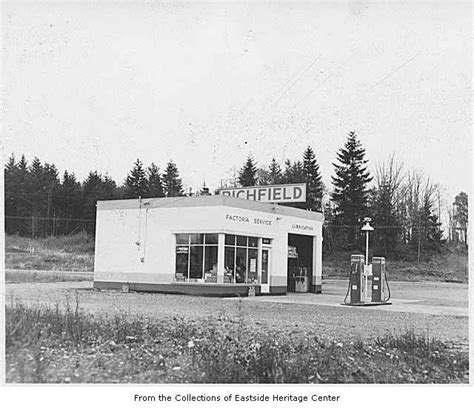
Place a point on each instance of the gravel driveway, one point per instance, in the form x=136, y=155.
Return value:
x=326, y=319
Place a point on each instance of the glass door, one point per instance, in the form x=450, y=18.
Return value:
x=265, y=282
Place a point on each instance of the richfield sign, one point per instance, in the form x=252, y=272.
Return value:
x=274, y=194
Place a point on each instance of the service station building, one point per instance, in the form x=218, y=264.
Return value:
x=208, y=245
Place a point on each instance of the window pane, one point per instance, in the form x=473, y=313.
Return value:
x=264, y=266
x=241, y=265
x=197, y=238
x=229, y=260
x=252, y=266
x=211, y=238
x=266, y=241
x=230, y=239
x=196, y=262
x=181, y=264
x=241, y=240
x=253, y=242
x=182, y=239
x=210, y=261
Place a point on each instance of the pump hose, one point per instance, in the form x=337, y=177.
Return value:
x=388, y=287
x=349, y=286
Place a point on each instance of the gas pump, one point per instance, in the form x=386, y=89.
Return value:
x=362, y=273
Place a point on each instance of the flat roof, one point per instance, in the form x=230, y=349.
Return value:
x=210, y=200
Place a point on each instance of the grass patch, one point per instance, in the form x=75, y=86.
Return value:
x=64, y=253
x=449, y=267
x=24, y=276
x=64, y=344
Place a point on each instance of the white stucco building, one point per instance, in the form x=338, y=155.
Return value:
x=210, y=245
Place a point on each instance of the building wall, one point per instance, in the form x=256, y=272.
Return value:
x=119, y=258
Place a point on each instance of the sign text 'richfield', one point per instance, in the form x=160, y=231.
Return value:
x=273, y=194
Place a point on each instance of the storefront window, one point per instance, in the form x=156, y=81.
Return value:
x=230, y=239
x=195, y=264
x=211, y=238
x=197, y=238
x=182, y=239
x=253, y=242
x=196, y=257
x=252, y=266
x=241, y=259
x=242, y=241
x=241, y=265
x=229, y=263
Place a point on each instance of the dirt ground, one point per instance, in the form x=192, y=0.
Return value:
x=438, y=310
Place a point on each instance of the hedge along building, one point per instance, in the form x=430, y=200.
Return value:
x=209, y=245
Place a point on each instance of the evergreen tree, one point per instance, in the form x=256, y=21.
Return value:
x=70, y=202
x=172, y=184
x=136, y=181
x=274, y=173
x=294, y=172
x=314, y=183
x=17, y=201
x=350, y=194
x=248, y=173
x=204, y=191
x=155, y=186
x=51, y=186
x=263, y=177
x=460, y=216
x=96, y=187
x=11, y=181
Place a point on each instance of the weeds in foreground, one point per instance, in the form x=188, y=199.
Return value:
x=68, y=345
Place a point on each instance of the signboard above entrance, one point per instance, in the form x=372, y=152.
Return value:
x=272, y=193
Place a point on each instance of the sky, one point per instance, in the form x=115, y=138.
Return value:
x=96, y=85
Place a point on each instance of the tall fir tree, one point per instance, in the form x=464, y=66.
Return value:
x=136, y=181
x=11, y=182
x=172, y=184
x=155, y=185
x=460, y=217
x=70, y=202
x=350, y=193
x=274, y=173
x=96, y=187
x=248, y=173
x=313, y=179
x=18, y=198
x=294, y=172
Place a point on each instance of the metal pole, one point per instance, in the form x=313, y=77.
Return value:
x=366, y=248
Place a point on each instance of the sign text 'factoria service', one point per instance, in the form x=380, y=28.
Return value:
x=273, y=193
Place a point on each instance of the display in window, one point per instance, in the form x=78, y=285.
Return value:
x=210, y=263
x=229, y=263
x=241, y=265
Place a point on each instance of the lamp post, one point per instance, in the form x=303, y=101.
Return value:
x=367, y=228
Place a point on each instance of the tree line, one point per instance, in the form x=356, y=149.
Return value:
x=404, y=205
x=38, y=202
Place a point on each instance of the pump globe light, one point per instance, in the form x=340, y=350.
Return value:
x=367, y=226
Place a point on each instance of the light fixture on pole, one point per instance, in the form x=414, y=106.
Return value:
x=367, y=228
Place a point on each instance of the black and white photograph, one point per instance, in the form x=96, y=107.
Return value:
x=234, y=193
